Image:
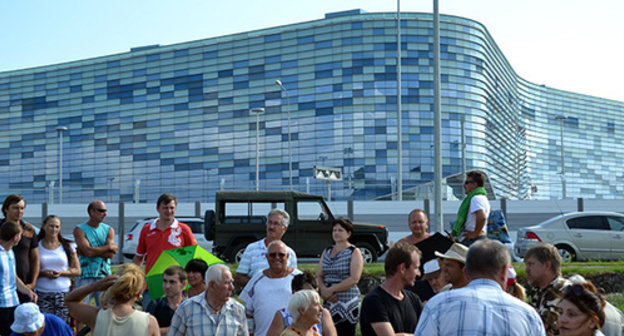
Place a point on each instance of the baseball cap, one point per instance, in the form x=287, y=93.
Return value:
x=431, y=269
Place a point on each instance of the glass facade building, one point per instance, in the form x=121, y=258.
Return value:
x=177, y=118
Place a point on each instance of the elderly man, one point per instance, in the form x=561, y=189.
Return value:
x=268, y=291
x=453, y=262
x=390, y=309
x=254, y=258
x=213, y=312
x=482, y=307
x=543, y=271
x=470, y=223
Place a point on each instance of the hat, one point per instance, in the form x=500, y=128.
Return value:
x=432, y=269
x=28, y=318
x=511, y=276
x=456, y=252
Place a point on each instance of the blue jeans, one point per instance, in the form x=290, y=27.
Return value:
x=95, y=295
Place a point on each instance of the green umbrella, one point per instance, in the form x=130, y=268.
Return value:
x=178, y=256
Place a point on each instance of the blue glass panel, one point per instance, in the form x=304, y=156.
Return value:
x=112, y=64
x=323, y=44
x=289, y=64
x=305, y=39
x=152, y=57
x=241, y=85
x=182, y=52
x=225, y=73
x=75, y=88
x=272, y=38
x=356, y=25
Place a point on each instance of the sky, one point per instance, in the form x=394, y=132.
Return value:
x=573, y=45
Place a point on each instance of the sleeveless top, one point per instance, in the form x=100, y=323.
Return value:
x=336, y=269
x=94, y=267
x=108, y=324
x=290, y=331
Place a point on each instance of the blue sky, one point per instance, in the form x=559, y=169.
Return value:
x=574, y=45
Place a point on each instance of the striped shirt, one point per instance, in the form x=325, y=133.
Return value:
x=193, y=317
x=254, y=258
x=8, y=292
x=481, y=308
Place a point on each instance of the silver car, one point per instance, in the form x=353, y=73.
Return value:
x=196, y=224
x=577, y=236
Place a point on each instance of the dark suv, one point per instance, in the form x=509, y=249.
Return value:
x=239, y=218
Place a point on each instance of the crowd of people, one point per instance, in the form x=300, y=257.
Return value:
x=460, y=284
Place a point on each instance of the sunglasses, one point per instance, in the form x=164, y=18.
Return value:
x=592, y=301
x=578, y=290
x=468, y=182
x=101, y=210
x=277, y=255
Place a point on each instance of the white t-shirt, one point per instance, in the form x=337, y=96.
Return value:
x=478, y=202
x=264, y=296
x=53, y=260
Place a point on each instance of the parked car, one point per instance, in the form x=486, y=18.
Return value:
x=577, y=236
x=195, y=223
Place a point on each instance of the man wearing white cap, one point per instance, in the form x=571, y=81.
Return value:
x=453, y=261
x=30, y=321
x=435, y=277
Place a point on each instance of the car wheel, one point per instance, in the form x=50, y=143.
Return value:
x=368, y=252
x=236, y=253
x=566, y=252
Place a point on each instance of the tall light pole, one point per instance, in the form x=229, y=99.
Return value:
x=437, y=119
x=60, y=130
x=257, y=111
x=399, y=119
x=562, y=118
x=279, y=83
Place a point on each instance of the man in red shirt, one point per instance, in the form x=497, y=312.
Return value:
x=164, y=233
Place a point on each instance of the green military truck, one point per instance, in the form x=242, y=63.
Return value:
x=239, y=218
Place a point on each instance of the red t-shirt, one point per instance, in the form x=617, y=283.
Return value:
x=153, y=241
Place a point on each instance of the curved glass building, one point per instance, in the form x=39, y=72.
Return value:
x=177, y=118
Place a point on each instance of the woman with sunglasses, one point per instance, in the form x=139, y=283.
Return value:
x=338, y=273
x=582, y=311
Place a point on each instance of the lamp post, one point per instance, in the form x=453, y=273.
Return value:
x=60, y=130
x=257, y=111
x=562, y=118
x=279, y=83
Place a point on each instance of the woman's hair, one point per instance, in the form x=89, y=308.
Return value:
x=586, y=298
x=344, y=222
x=64, y=242
x=302, y=300
x=129, y=284
x=300, y=280
x=197, y=265
x=518, y=291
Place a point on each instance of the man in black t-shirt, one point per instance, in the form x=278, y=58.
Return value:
x=390, y=309
x=174, y=281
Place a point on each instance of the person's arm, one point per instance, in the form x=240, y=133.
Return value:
x=83, y=312
x=74, y=267
x=329, y=329
x=277, y=326
x=152, y=327
x=355, y=272
x=33, y=255
x=22, y=288
x=320, y=277
x=481, y=219
x=110, y=243
x=241, y=278
x=138, y=260
x=385, y=329
x=85, y=249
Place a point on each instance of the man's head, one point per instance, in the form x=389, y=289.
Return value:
x=543, y=264
x=473, y=180
x=166, y=207
x=219, y=283
x=97, y=211
x=277, y=224
x=453, y=261
x=174, y=281
x=418, y=222
x=13, y=207
x=403, y=261
x=277, y=255
x=28, y=320
x=433, y=275
x=488, y=259
x=10, y=232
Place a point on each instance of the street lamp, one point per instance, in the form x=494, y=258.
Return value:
x=257, y=111
x=562, y=118
x=279, y=83
x=60, y=130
